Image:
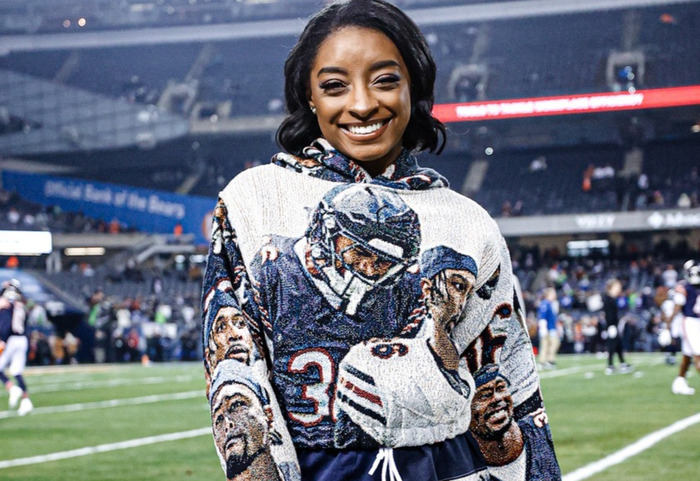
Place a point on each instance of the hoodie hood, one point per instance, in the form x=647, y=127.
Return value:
x=321, y=160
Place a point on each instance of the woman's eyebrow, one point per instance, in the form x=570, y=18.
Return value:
x=339, y=70
x=375, y=66
x=384, y=64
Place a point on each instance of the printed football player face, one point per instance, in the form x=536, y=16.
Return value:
x=230, y=337
x=360, y=87
x=492, y=410
x=360, y=260
x=447, y=294
x=241, y=427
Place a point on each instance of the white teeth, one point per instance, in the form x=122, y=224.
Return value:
x=364, y=129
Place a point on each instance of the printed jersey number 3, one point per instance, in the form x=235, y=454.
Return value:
x=317, y=393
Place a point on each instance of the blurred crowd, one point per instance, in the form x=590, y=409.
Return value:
x=117, y=329
x=579, y=287
x=17, y=213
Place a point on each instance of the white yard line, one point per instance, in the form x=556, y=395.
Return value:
x=103, y=448
x=633, y=449
x=72, y=369
x=111, y=403
x=638, y=361
x=78, y=386
x=563, y=372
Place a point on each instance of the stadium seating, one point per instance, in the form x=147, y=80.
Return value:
x=554, y=189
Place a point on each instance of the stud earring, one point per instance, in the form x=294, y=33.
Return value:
x=313, y=110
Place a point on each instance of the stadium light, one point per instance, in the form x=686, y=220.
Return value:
x=84, y=251
x=30, y=243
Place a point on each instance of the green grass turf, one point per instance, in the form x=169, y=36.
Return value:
x=591, y=415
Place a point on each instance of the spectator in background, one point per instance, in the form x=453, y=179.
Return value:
x=518, y=208
x=643, y=182
x=13, y=216
x=669, y=276
x=157, y=286
x=587, y=183
x=547, y=325
x=671, y=320
x=12, y=262
x=537, y=164
x=506, y=209
x=29, y=220
x=114, y=226
x=36, y=315
x=87, y=270
x=613, y=289
x=694, y=202
x=657, y=199
x=684, y=201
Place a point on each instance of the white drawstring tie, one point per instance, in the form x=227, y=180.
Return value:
x=386, y=457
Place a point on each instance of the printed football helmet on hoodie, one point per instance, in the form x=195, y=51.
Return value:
x=376, y=225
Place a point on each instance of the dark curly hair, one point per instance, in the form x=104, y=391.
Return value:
x=300, y=126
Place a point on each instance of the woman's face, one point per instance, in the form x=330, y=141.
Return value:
x=360, y=88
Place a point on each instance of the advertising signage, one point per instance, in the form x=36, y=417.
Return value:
x=569, y=104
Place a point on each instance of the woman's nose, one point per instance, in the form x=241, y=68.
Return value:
x=362, y=102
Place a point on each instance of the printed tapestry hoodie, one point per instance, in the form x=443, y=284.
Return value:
x=346, y=315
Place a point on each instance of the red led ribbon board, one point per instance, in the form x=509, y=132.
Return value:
x=568, y=104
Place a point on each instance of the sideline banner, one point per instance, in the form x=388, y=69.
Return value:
x=144, y=209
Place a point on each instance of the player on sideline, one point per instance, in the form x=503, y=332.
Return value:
x=13, y=339
x=687, y=299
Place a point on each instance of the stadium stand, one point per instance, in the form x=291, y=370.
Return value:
x=103, y=15
x=551, y=183
x=537, y=57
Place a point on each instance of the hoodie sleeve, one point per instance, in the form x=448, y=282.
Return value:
x=250, y=433
x=500, y=346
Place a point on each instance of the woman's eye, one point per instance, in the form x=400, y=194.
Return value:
x=332, y=86
x=388, y=80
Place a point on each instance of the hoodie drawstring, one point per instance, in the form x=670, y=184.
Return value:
x=386, y=457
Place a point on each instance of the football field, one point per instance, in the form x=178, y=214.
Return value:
x=129, y=422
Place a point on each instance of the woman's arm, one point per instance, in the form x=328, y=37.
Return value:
x=250, y=433
x=500, y=358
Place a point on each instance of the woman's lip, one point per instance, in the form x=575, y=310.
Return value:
x=363, y=137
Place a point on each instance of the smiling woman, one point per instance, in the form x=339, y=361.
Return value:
x=351, y=298
x=360, y=91
x=414, y=64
